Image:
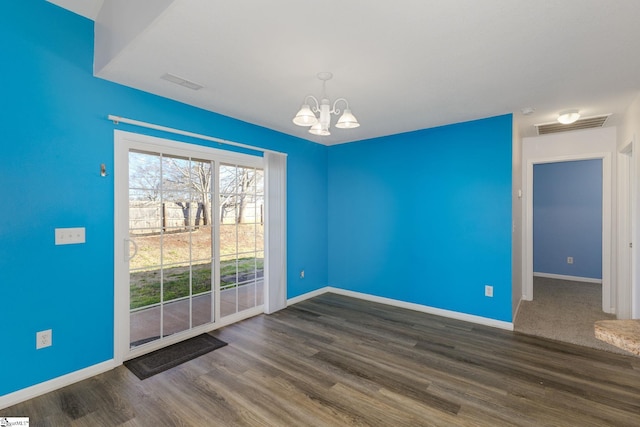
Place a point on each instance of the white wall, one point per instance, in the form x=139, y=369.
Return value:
x=118, y=23
x=629, y=132
x=630, y=124
x=566, y=146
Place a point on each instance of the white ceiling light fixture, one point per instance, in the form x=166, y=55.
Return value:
x=320, y=125
x=568, y=117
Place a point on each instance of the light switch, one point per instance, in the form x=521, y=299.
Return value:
x=70, y=236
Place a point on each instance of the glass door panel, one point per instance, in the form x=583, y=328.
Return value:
x=172, y=243
x=241, y=206
x=228, y=282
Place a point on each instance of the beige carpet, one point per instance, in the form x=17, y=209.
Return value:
x=564, y=310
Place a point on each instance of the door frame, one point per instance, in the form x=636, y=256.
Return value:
x=607, y=302
x=123, y=143
x=627, y=231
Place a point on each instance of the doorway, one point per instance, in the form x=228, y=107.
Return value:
x=567, y=220
x=608, y=304
x=567, y=253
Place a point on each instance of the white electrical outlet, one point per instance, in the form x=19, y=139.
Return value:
x=70, y=236
x=569, y=260
x=302, y=274
x=488, y=291
x=44, y=339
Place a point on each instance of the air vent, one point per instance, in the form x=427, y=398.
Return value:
x=182, y=82
x=585, y=123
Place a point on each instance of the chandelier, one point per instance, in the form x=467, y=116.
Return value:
x=320, y=125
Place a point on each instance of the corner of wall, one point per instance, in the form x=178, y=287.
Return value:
x=629, y=124
x=516, y=239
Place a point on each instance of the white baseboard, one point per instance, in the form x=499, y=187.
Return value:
x=571, y=278
x=308, y=295
x=74, y=377
x=426, y=309
x=54, y=384
x=408, y=305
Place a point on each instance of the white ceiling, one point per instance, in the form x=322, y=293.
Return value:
x=403, y=65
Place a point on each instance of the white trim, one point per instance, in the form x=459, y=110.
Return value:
x=83, y=374
x=65, y=380
x=608, y=304
x=55, y=383
x=215, y=218
x=194, y=332
x=308, y=295
x=515, y=313
x=500, y=324
x=275, y=235
x=609, y=225
x=237, y=317
x=565, y=277
x=426, y=309
x=118, y=119
x=120, y=268
x=624, y=232
x=635, y=230
x=627, y=231
x=123, y=143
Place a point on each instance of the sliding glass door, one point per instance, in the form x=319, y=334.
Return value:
x=194, y=246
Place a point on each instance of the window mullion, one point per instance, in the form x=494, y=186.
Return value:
x=215, y=239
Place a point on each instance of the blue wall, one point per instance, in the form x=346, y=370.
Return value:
x=425, y=217
x=567, y=218
x=54, y=137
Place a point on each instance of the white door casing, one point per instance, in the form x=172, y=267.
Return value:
x=625, y=231
x=123, y=143
x=571, y=146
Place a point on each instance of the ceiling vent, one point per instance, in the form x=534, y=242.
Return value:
x=182, y=82
x=584, y=123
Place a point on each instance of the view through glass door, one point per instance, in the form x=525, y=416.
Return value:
x=196, y=242
x=241, y=238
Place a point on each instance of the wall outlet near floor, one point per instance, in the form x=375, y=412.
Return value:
x=488, y=291
x=43, y=339
x=302, y=274
x=569, y=260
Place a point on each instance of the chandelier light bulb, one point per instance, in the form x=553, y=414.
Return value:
x=319, y=130
x=347, y=120
x=305, y=117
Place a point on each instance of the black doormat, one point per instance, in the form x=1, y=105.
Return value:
x=166, y=358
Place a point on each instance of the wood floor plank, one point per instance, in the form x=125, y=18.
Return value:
x=339, y=361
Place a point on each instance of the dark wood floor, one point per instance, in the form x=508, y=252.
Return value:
x=336, y=361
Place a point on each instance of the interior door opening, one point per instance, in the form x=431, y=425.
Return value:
x=608, y=304
x=568, y=220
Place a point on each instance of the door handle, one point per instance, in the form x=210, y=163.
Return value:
x=127, y=242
